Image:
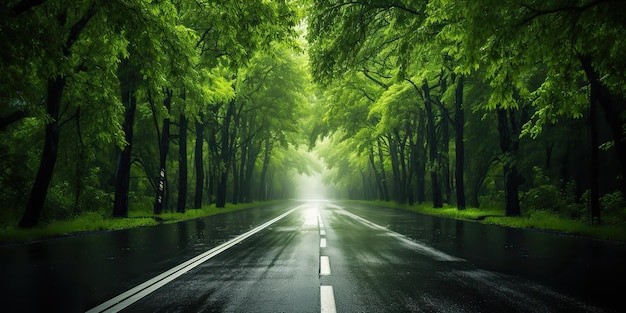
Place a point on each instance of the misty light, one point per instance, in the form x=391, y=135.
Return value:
x=311, y=188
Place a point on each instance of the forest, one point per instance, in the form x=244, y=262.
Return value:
x=151, y=106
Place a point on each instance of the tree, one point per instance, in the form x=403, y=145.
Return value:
x=568, y=37
x=69, y=28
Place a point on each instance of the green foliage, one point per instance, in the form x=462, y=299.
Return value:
x=493, y=199
x=613, y=208
x=546, y=196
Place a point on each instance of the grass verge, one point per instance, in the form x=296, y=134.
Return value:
x=538, y=220
x=93, y=222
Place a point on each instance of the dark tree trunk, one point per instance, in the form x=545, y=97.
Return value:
x=444, y=155
x=420, y=168
x=80, y=165
x=459, y=126
x=220, y=200
x=397, y=188
x=432, y=145
x=239, y=188
x=38, y=193
x=122, y=172
x=236, y=178
x=383, y=173
x=253, y=154
x=199, y=164
x=594, y=168
x=182, y=164
x=263, y=188
x=214, y=157
x=413, y=164
x=377, y=178
x=403, y=166
x=509, y=145
x=163, y=151
x=225, y=157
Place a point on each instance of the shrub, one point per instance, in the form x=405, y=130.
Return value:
x=494, y=200
x=545, y=196
x=613, y=208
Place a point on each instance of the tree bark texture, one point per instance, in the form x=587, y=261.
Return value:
x=198, y=162
x=509, y=144
x=38, y=193
x=459, y=126
x=122, y=172
x=182, y=164
x=432, y=148
x=163, y=151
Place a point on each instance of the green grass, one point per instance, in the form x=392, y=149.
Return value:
x=93, y=222
x=538, y=220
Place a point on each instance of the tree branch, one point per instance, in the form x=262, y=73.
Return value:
x=5, y=121
x=539, y=12
x=376, y=6
x=24, y=6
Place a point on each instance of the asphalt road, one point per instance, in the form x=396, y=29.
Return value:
x=317, y=257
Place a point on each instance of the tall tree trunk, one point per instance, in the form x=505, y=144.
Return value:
x=377, y=178
x=225, y=157
x=239, y=187
x=594, y=168
x=236, y=177
x=199, y=164
x=38, y=193
x=459, y=126
x=420, y=169
x=403, y=166
x=263, y=185
x=395, y=170
x=182, y=164
x=383, y=173
x=432, y=145
x=122, y=172
x=444, y=155
x=80, y=165
x=253, y=154
x=508, y=144
x=164, y=144
x=213, y=156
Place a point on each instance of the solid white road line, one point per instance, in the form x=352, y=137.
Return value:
x=425, y=249
x=322, y=242
x=322, y=232
x=327, y=299
x=324, y=265
x=133, y=295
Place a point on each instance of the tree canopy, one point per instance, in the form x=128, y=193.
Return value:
x=127, y=106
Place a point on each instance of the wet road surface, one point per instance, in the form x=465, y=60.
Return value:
x=320, y=256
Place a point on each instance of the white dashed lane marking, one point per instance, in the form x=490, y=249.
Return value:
x=327, y=299
x=327, y=295
x=324, y=265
